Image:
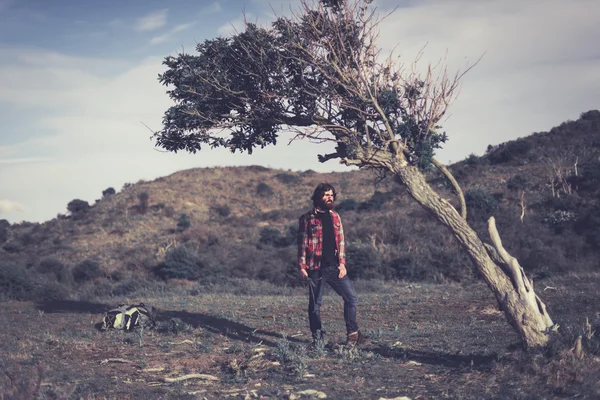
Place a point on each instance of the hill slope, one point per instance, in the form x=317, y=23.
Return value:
x=219, y=223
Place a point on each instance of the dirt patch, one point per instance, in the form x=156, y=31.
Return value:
x=425, y=341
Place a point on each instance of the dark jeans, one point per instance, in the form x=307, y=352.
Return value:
x=343, y=287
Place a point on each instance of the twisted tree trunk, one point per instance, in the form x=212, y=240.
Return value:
x=523, y=309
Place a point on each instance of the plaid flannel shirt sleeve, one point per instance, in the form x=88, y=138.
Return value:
x=302, y=242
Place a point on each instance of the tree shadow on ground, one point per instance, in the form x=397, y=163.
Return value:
x=223, y=326
x=474, y=361
x=72, y=306
x=218, y=325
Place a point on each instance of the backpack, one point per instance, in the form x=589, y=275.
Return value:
x=128, y=317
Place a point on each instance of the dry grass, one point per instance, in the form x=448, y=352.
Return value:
x=426, y=341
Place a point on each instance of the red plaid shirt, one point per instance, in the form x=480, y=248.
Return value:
x=310, y=240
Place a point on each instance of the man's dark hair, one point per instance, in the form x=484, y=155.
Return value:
x=320, y=192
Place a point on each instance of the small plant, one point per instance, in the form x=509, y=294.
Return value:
x=183, y=222
x=283, y=351
x=349, y=353
x=300, y=362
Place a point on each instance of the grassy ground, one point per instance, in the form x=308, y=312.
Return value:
x=426, y=342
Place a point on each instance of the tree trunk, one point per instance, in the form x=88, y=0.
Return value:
x=523, y=309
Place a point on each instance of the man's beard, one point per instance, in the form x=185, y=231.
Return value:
x=323, y=205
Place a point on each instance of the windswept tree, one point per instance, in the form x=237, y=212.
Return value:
x=320, y=75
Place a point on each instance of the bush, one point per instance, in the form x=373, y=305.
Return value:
x=473, y=159
x=287, y=179
x=108, y=192
x=363, y=261
x=181, y=263
x=405, y=268
x=183, y=222
x=50, y=292
x=15, y=282
x=264, y=190
x=510, y=151
x=56, y=268
x=480, y=204
x=517, y=182
x=87, y=270
x=78, y=208
x=346, y=205
x=273, y=237
x=222, y=210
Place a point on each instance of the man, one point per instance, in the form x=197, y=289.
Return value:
x=321, y=258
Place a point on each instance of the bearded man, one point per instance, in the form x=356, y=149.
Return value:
x=321, y=258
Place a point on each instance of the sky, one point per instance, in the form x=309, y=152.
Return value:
x=80, y=96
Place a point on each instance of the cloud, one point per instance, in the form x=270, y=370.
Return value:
x=151, y=21
x=170, y=34
x=10, y=206
x=212, y=8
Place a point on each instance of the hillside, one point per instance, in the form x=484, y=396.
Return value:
x=214, y=224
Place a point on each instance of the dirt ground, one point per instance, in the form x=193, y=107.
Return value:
x=425, y=342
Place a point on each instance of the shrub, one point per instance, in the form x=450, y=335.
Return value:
x=264, y=190
x=509, y=151
x=108, y=192
x=517, y=182
x=480, y=204
x=405, y=268
x=50, y=266
x=472, y=159
x=87, y=270
x=287, y=179
x=346, y=205
x=222, y=210
x=364, y=261
x=143, y=204
x=181, y=263
x=50, y=292
x=55, y=267
x=183, y=222
x=257, y=168
x=273, y=237
x=78, y=208
x=15, y=282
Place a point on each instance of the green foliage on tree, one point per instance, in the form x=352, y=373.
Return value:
x=319, y=70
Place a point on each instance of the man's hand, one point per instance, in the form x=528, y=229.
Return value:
x=343, y=272
x=303, y=274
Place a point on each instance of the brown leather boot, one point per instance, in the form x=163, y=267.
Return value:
x=355, y=338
